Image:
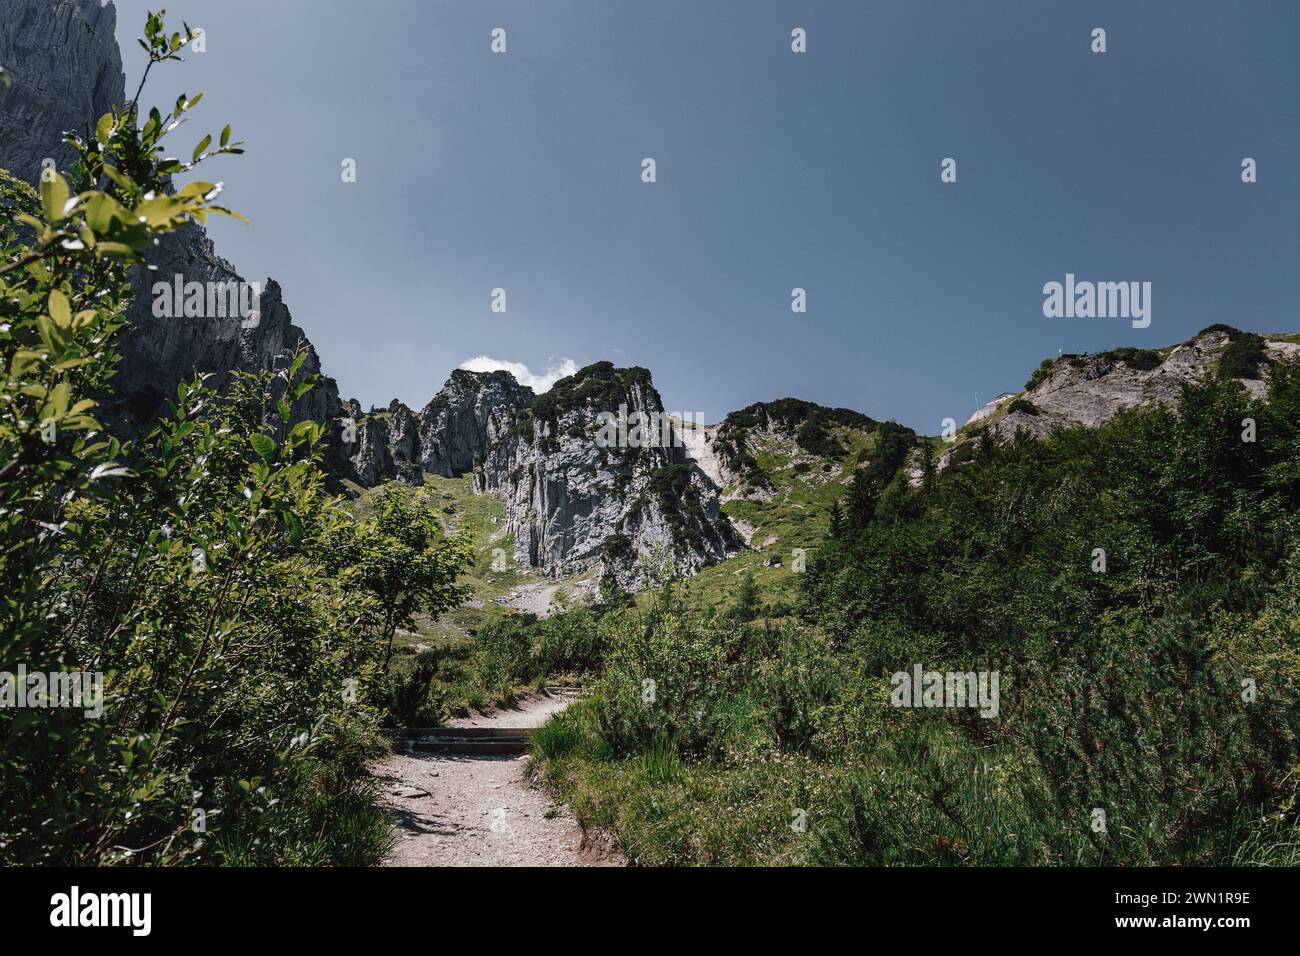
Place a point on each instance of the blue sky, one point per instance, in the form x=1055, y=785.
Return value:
x=775, y=170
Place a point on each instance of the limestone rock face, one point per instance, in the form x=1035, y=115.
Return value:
x=1090, y=390
x=67, y=72
x=466, y=418
x=447, y=437
x=581, y=493
x=576, y=498
x=159, y=353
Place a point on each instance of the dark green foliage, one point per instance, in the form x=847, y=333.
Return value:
x=1243, y=356
x=1024, y=407
x=1040, y=373
x=810, y=424
x=1142, y=359
x=1124, y=692
x=748, y=605
x=617, y=547
x=679, y=501
x=600, y=386
x=197, y=570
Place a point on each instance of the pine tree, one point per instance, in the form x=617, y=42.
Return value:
x=837, y=520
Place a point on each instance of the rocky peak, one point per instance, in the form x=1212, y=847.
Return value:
x=1091, y=389
x=447, y=437
x=464, y=419
x=595, y=474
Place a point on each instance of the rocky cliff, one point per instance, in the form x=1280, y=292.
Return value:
x=67, y=72
x=595, y=474
x=1091, y=389
x=447, y=437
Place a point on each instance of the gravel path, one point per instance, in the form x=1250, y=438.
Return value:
x=532, y=598
x=452, y=810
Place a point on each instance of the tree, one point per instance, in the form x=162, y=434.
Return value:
x=747, y=606
x=401, y=557
x=192, y=572
x=837, y=519
x=929, y=468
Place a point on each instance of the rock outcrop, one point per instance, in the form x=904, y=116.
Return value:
x=67, y=72
x=447, y=437
x=467, y=417
x=595, y=474
x=580, y=491
x=1090, y=390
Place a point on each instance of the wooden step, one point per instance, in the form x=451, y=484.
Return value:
x=465, y=732
x=467, y=745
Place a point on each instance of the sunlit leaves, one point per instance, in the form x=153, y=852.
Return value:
x=264, y=445
x=54, y=197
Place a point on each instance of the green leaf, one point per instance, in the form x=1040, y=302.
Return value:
x=122, y=179
x=264, y=445
x=104, y=128
x=158, y=211
x=60, y=310
x=198, y=150
x=101, y=210
x=54, y=196
x=59, y=397
x=225, y=135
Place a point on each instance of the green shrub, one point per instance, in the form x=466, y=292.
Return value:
x=1243, y=356
x=197, y=569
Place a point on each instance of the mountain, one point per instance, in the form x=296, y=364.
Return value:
x=580, y=493
x=1091, y=389
x=66, y=69
x=595, y=472
x=579, y=496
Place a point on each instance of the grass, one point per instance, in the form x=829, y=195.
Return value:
x=665, y=811
x=804, y=487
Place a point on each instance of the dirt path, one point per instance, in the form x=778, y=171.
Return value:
x=532, y=598
x=453, y=810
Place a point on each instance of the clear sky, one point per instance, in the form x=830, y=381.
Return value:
x=775, y=170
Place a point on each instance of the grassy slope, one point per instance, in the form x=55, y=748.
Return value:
x=797, y=516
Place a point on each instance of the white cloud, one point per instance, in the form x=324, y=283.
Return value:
x=523, y=375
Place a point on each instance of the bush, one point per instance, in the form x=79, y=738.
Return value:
x=195, y=571
x=1243, y=356
x=1149, y=710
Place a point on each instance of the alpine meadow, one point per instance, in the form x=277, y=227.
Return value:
x=540, y=619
